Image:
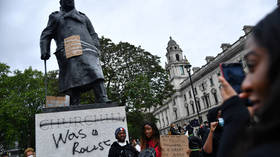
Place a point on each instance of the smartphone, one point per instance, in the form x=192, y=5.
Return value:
x=234, y=74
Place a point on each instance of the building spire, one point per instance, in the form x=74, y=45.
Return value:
x=176, y=63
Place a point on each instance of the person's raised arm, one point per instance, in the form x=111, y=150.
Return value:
x=208, y=146
x=236, y=117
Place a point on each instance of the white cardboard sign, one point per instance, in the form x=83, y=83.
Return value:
x=81, y=133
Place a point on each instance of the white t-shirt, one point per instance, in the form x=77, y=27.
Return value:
x=122, y=143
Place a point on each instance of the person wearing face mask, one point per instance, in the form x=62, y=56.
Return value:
x=150, y=140
x=77, y=53
x=122, y=148
x=29, y=152
x=262, y=87
x=211, y=145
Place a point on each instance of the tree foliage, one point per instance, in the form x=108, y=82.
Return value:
x=135, y=122
x=133, y=76
x=134, y=79
x=52, y=83
x=22, y=95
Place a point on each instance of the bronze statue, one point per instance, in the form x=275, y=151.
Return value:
x=77, y=53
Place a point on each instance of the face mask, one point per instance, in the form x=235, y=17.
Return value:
x=221, y=122
x=30, y=156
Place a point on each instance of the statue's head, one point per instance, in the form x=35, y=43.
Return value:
x=67, y=5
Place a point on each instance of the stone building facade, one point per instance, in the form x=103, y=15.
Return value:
x=180, y=107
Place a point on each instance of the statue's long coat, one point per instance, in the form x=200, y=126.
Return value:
x=78, y=71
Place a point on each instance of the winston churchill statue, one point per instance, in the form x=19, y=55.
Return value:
x=77, y=53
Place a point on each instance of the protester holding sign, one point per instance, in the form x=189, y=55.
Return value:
x=150, y=141
x=174, y=146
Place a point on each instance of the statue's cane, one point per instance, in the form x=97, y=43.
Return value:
x=46, y=84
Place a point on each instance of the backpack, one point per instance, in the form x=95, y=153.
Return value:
x=148, y=152
x=128, y=151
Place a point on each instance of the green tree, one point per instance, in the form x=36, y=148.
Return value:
x=134, y=79
x=131, y=73
x=22, y=96
x=52, y=83
x=135, y=122
x=4, y=71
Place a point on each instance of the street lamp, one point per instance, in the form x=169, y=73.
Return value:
x=188, y=67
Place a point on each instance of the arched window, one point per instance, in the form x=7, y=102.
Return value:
x=159, y=122
x=198, y=104
x=211, y=81
x=214, y=93
x=192, y=104
x=177, y=57
x=182, y=70
x=167, y=120
x=206, y=100
x=175, y=113
x=187, y=109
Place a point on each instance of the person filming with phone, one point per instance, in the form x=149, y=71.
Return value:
x=262, y=87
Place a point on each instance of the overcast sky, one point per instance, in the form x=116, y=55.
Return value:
x=198, y=26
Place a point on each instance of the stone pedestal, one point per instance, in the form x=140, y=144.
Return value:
x=79, y=131
x=79, y=107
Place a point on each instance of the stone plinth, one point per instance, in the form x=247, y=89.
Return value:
x=79, y=131
x=79, y=107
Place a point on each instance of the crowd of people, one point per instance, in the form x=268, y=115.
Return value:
x=199, y=142
x=233, y=128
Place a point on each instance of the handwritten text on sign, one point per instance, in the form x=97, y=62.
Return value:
x=174, y=145
x=80, y=133
x=73, y=46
